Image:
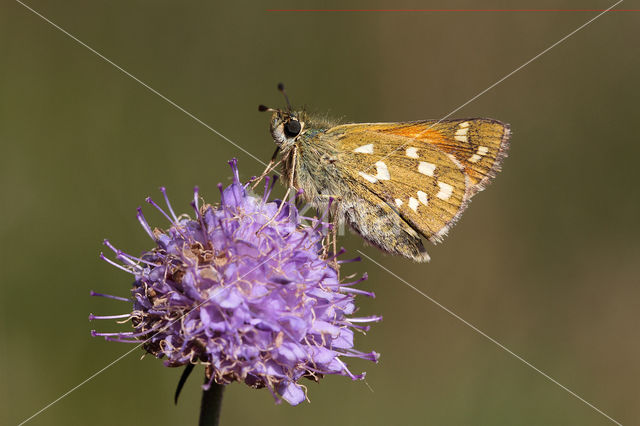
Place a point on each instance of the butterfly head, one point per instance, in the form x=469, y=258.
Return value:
x=286, y=125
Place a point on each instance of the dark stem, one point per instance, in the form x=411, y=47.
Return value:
x=183, y=379
x=211, y=405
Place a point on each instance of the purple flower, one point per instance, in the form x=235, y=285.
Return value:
x=244, y=290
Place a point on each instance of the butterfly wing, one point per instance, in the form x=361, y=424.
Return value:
x=425, y=171
x=479, y=144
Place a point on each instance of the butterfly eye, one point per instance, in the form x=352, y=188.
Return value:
x=292, y=128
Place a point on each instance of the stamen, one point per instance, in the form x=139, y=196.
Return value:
x=355, y=259
x=102, y=256
x=326, y=212
x=138, y=259
x=166, y=199
x=349, y=373
x=196, y=196
x=234, y=166
x=125, y=333
x=104, y=317
x=96, y=334
x=316, y=220
x=108, y=296
x=153, y=203
x=364, y=328
x=372, y=318
x=358, y=291
x=107, y=243
x=363, y=278
x=111, y=339
x=144, y=223
x=273, y=183
x=267, y=189
x=119, y=254
x=369, y=356
x=246, y=185
x=341, y=251
x=221, y=189
x=201, y=220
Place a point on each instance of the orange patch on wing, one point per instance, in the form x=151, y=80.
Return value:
x=416, y=131
x=447, y=143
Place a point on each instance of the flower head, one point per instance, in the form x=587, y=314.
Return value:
x=243, y=288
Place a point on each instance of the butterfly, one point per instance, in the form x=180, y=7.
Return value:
x=393, y=183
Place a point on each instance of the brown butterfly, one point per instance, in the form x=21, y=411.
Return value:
x=393, y=183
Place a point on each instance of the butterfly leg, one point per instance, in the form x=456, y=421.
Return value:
x=330, y=243
x=286, y=195
x=272, y=165
x=289, y=187
x=334, y=238
x=331, y=219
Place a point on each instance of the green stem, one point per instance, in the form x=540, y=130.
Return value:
x=211, y=405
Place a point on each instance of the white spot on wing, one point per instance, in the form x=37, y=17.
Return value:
x=464, y=124
x=481, y=151
x=462, y=131
x=383, y=171
x=370, y=178
x=426, y=168
x=399, y=202
x=412, y=152
x=460, y=138
x=422, y=196
x=445, y=191
x=365, y=149
x=455, y=161
x=474, y=158
x=413, y=203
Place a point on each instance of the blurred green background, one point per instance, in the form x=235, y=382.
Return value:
x=545, y=261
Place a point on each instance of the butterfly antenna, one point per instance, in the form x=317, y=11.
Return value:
x=286, y=98
x=263, y=108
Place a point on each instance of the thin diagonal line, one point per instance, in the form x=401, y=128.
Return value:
x=145, y=85
x=94, y=375
x=505, y=77
x=531, y=60
x=88, y=379
x=492, y=340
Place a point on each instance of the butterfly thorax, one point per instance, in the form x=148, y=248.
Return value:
x=310, y=162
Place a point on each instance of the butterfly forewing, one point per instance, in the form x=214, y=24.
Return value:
x=479, y=144
x=426, y=171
